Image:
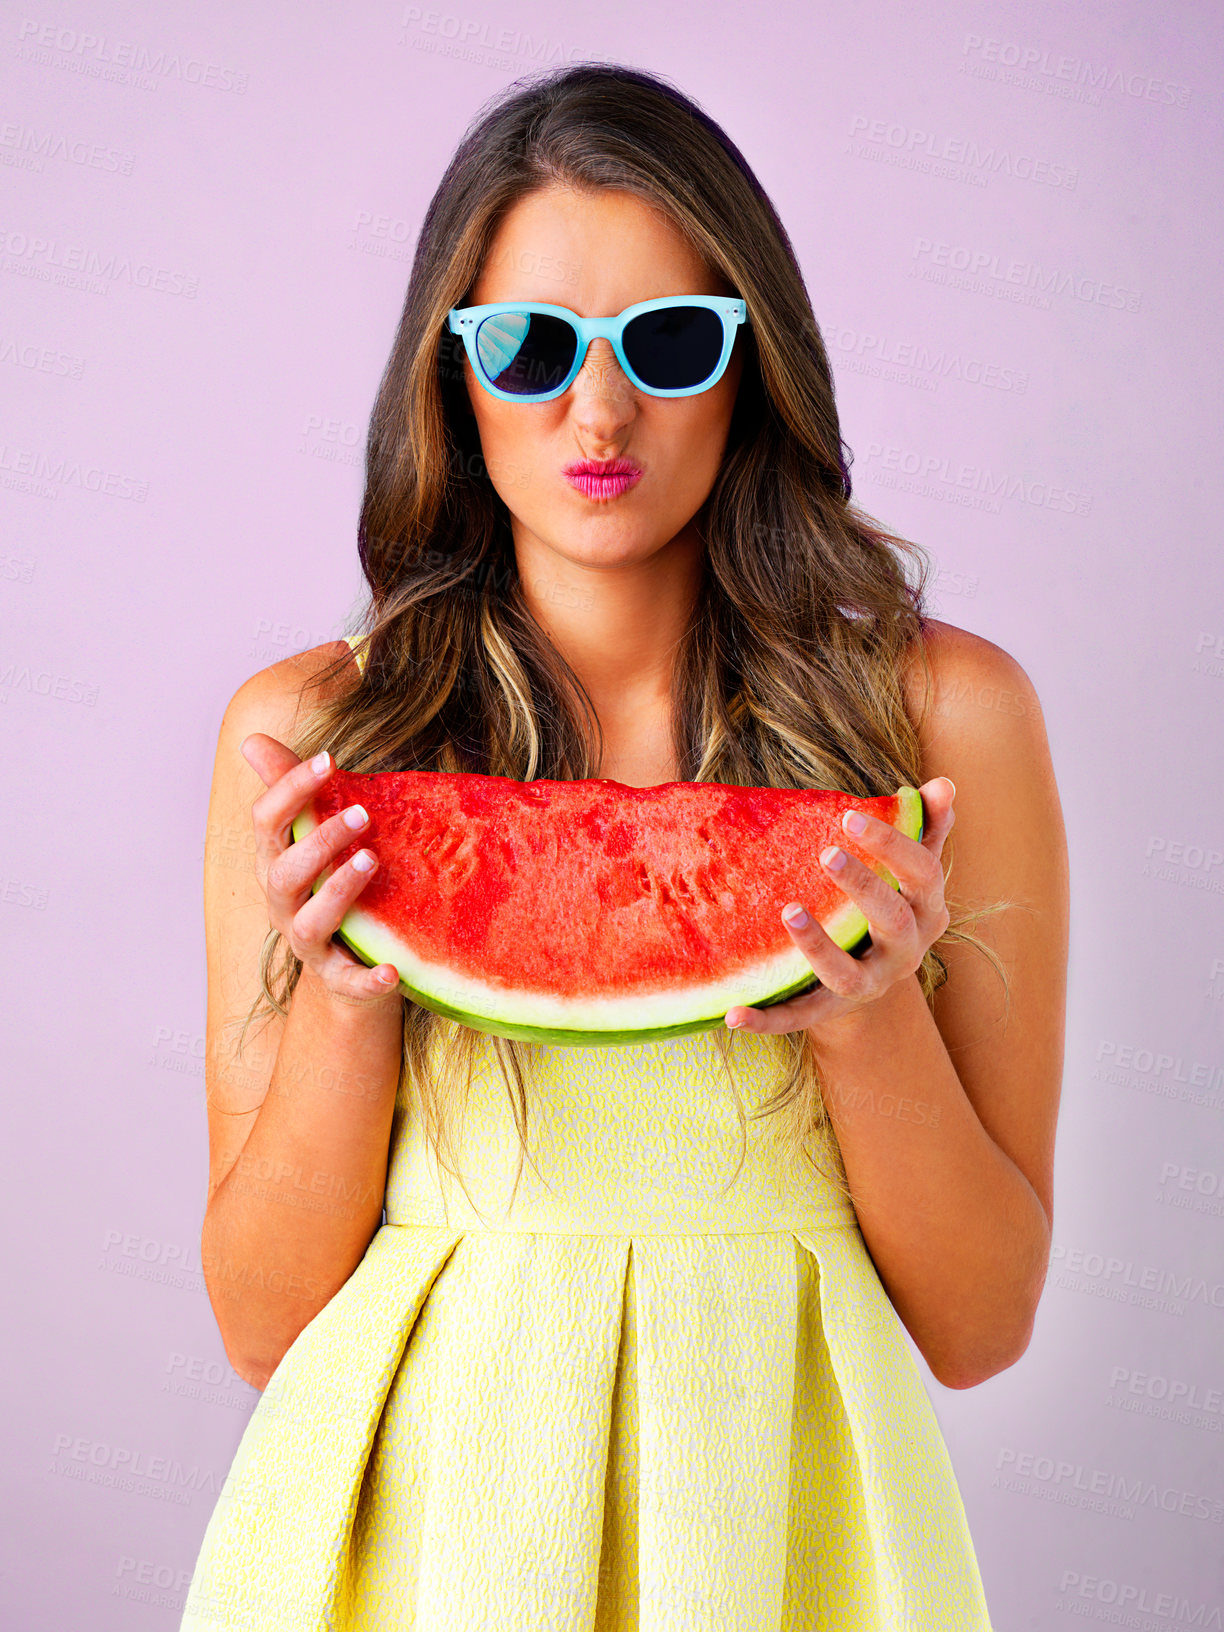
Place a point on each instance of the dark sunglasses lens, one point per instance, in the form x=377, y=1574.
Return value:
x=675, y=348
x=525, y=353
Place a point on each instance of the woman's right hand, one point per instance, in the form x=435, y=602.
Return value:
x=288, y=870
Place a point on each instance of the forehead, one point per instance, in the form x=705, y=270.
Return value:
x=595, y=252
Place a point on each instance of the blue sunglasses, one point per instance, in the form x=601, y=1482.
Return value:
x=525, y=351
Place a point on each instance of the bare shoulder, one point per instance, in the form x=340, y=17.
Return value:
x=983, y=726
x=273, y=699
x=976, y=687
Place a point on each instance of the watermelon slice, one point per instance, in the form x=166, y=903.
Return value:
x=591, y=912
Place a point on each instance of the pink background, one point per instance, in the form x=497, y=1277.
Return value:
x=1004, y=214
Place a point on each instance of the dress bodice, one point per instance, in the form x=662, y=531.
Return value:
x=640, y=1139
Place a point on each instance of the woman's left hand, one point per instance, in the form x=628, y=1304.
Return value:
x=903, y=923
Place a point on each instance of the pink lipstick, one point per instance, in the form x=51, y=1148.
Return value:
x=603, y=478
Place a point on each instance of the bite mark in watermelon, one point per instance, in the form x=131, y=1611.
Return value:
x=591, y=912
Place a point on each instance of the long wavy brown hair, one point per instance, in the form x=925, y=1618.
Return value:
x=791, y=672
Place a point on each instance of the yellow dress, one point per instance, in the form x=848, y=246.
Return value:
x=640, y=1399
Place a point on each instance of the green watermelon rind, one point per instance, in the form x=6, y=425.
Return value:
x=373, y=944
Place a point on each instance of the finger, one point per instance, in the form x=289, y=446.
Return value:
x=276, y=808
x=939, y=816
x=361, y=986
x=268, y=757
x=321, y=914
x=839, y=973
x=795, y=1014
x=350, y=980
x=889, y=914
x=913, y=864
x=293, y=871
x=320, y=921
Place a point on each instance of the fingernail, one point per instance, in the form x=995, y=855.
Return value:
x=833, y=858
x=795, y=915
x=731, y=1024
x=854, y=821
x=319, y=763
x=363, y=861
x=951, y=784
x=355, y=816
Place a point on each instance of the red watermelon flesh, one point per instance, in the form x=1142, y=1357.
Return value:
x=591, y=912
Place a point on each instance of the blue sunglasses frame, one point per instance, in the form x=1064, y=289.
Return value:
x=466, y=321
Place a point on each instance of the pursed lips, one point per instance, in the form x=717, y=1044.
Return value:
x=603, y=479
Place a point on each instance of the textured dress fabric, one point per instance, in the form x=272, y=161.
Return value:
x=659, y=1389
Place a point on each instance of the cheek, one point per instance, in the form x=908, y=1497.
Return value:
x=698, y=449
x=512, y=448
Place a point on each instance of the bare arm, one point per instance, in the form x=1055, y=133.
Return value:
x=290, y=1220
x=299, y=1127
x=946, y=1116
x=956, y=1229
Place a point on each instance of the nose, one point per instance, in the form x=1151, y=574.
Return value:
x=602, y=392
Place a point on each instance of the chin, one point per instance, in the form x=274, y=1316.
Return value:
x=608, y=548
x=592, y=527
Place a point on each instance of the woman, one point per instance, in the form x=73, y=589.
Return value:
x=638, y=1392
